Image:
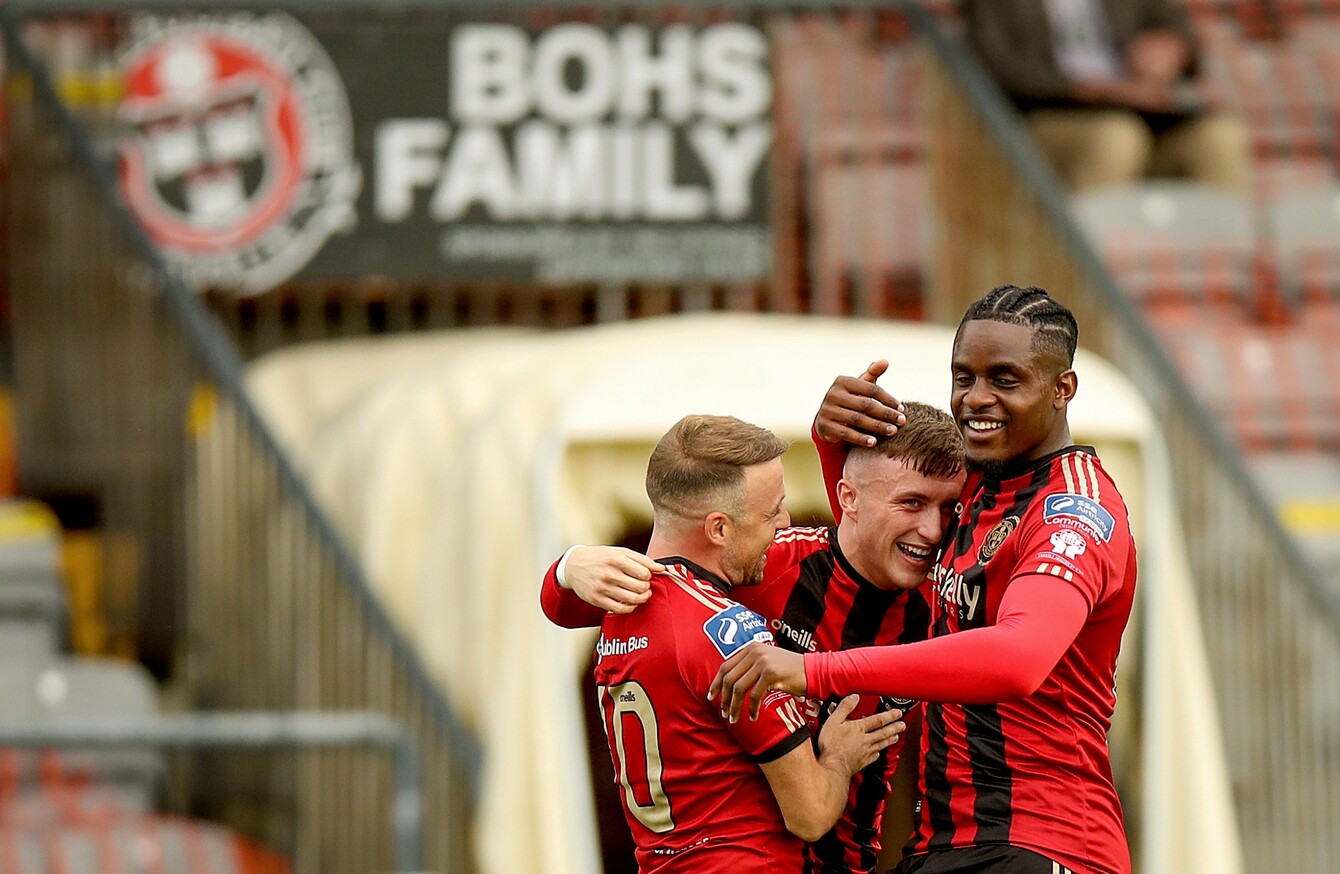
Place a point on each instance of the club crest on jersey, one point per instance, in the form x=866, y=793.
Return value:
x=1058, y=509
x=238, y=147
x=731, y=629
x=1069, y=542
x=996, y=538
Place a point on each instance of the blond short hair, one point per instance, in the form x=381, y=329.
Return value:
x=702, y=459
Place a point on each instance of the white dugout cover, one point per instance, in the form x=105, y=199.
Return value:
x=459, y=464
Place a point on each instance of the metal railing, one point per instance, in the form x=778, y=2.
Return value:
x=126, y=383
x=1271, y=624
x=302, y=731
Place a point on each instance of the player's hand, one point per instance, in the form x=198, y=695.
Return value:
x=750, y=674
x=856, y=408
x=610, y=577
x=848, y=745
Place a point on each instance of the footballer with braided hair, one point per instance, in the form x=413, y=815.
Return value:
x=1029, y=595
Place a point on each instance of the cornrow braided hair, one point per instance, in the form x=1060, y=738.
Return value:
x=1055, y=330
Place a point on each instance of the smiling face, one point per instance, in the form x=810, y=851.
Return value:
x=1009, y=398
x=754, y=523
x=893, y=518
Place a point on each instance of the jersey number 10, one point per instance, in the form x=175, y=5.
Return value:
x=619, y=703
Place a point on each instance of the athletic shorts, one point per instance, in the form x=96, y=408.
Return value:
x=980, y=860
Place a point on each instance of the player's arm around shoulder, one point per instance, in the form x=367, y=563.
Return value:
x=588, y=581
x=812, y=792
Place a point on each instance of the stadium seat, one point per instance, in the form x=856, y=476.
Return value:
x=56, y=690
x=1172, y=239
x=1276, y=176
x=33, y=616
x=158, y=844
x=848, y=94
x=871, y=229
x=1276, y=387
x=1305, y=487
x=1305, y=228
x=33, y=595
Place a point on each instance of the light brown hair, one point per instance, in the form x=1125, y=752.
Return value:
x=703, y=457
x=929, y=442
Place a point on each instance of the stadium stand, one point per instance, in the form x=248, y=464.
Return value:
x=1304, y=227
x=83, y=810
x=856, y=96
x=1246, y=296
x=56, y=689
x=1170, y=240
x=78, y=811
x=138, y=843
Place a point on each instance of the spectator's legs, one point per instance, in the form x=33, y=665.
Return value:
x=1214, y=148
x=1092, y=148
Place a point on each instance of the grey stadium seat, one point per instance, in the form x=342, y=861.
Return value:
x=65, y=690
x=33, y=616
x=1304, y=481
x=1172, y=238
x=33, y=595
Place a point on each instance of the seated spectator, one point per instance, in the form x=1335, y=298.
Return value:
x=1106, y=88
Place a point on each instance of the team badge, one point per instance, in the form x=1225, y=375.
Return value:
x=1068, y=542
x=1081, y=510
x=996, y=537
x=237, y=146
x=731, y=629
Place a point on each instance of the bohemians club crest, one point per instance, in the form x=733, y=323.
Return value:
x=237, y=147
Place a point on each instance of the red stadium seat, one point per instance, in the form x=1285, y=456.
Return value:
x=1173, y=240
x=1305, y=229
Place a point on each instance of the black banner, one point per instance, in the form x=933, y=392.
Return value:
x=259, y=148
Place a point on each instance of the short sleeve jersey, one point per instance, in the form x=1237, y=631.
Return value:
x=1034, y=772
x=693, y=794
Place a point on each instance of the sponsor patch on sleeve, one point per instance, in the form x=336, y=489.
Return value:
x=1069, y=542
x=1085, y=511
x=734, y=627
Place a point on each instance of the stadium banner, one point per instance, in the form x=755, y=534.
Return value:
x=256, y=148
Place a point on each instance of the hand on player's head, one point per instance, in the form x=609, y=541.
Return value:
x=855, y=409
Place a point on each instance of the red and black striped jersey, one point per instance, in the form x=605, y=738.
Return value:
x=1036, y=772
x=693, y=794
x=1032, y=770
x=815, y=601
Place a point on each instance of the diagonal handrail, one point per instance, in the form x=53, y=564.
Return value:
x=224, y=365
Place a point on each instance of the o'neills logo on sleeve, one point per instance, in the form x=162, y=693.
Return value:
x=237, y=153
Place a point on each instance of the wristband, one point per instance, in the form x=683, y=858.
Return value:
x=560, y=571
